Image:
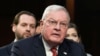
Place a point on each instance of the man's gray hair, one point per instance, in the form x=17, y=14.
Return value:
x=54, y=8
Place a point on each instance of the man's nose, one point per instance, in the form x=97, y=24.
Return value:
x=57, y=27
x=28, y=28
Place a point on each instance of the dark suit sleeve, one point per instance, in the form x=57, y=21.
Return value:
x=6, y=50
x=3, y=51
x=75, y=49
x=16, y=51
x=78, y=49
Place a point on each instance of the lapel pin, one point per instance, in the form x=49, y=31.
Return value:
x=65, y=53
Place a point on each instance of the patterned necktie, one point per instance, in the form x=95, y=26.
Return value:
x=54, y=51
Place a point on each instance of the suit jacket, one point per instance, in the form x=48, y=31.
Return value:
x=6, y=50
x=34, y=47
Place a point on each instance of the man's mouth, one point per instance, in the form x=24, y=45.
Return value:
x=27, y=34
x=55, y=34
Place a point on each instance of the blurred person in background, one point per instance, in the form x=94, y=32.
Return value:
x=24, y=26
x=38, y=28
x=74, y=34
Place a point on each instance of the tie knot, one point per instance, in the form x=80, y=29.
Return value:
x=54, y=51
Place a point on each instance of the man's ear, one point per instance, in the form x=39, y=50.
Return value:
x=14, y=27
x=41, y=23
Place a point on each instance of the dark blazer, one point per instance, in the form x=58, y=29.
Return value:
x=34, y=47
x=6, y=50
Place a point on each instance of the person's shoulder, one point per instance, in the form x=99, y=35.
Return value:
x=75, y=48
x=27, y=41
x=74, y=44
x=88, y=54
x=6, y=46
x=5, y=50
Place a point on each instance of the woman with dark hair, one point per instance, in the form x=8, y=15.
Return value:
x=74, y=34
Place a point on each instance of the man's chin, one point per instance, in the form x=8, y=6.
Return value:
x=56, y=41
x=27, y=36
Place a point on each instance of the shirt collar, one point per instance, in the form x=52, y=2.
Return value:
x=46, y=46
x=15, y=40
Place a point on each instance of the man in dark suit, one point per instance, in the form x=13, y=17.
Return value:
x=23, y=26
x=54, y=24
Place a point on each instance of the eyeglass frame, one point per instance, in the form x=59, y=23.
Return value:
x=53, y=22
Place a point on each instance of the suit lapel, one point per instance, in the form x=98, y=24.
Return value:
x=9, y=48
x=39, y=50
x=38, y=47
x=64, y=49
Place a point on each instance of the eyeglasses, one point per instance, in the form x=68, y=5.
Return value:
x=54, y=23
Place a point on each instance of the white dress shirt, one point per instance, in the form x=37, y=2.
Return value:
x=47, y=48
